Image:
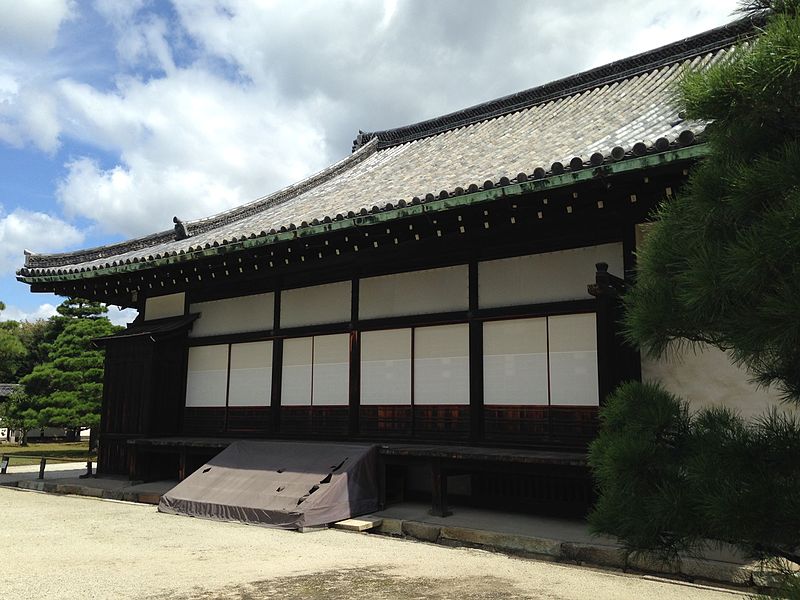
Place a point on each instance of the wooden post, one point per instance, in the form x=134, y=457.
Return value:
x=476, y=415
x=616, y=360
x=182, y=464
x=133, y=456
x=438, y=490
x=381, y=482
x=4, y=464
x=88, y=470
x=42, y=464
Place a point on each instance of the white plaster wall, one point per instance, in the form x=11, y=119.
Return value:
x=707, y=377
x=414, y=293
x=547, y=277
x=160, y=307
x=329, y=303
x=233, y=315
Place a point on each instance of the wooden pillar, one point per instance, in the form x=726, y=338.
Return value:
x=439, y=506
x=277, y=370
x=617, y=361
x=355, y=363
x=182, y=464
x=475, y=358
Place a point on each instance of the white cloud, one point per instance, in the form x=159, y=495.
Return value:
x=28, y=113
x=31, y=27
x=224, y=101
x=191, y=145
x=121, y=316
x=118, y=13
x=23, y=229
x=13, y=313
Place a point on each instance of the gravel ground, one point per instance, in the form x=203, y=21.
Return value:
x=72, y=547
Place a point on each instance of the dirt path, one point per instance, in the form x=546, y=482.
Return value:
x=70, y=547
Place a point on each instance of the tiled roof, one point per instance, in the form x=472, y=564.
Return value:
x=623, y=109
x=156, y=328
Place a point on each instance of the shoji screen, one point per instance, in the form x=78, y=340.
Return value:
x=251, y=374
x=515, y=362
x=573, y=360
x=331, y=379
x=441, y=365
x=207, y=377
x=296, y=379
x=386, y=367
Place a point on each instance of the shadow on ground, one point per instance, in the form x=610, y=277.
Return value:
x=367, y=584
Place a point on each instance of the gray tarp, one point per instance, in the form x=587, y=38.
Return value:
x=280, y=484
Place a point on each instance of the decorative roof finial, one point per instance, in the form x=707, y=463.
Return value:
x=181, y=233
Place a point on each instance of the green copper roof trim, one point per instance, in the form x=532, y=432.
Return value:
x=433, y=206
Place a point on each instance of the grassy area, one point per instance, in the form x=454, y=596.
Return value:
x=30, y=454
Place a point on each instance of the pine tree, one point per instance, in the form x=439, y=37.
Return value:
x=720, y=266
x=671, y=480
x=12, y=350
x=66, y=391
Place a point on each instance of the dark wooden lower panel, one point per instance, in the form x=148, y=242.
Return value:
x=324, y=421
x=203, y=420
x=556, y=426
x=445, y=422
x=248, y=421
x=112, y=456
x=385, y=421
x=295, y=420
x=330, y=421
x=540, y=426
x=563, y=491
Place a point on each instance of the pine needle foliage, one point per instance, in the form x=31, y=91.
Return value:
x=672, y=481
x=66, y=390
x=721, y=264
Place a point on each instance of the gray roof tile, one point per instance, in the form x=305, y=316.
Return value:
x=617, y=105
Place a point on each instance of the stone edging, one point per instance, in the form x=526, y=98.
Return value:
x=688, y=569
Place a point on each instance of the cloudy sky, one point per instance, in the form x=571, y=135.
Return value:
x=116, y=115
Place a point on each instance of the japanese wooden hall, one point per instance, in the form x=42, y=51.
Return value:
x=452, y=282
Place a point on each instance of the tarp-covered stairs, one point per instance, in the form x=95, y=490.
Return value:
x=291, y=485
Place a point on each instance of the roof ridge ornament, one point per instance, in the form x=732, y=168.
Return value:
x=181, y=233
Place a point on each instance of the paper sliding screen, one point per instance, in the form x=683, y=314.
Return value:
x=207, y=376
x=386, y=367
x=331, y=379
x=441, y=365
x=296, y=379
x=573, y=360
x=515, y=362
x=251, y=374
